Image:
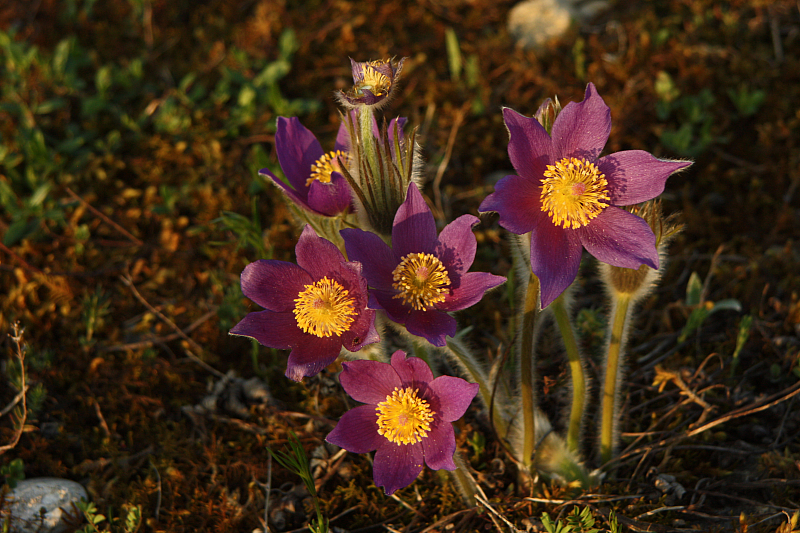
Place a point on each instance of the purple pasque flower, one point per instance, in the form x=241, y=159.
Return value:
x=407, y=417
x=314, y=308
x=373, y=83
x=422, y=277
x=315, y=178
x=567, y=196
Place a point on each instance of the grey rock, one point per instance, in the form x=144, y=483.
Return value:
x=54, y=495
x=234, y=395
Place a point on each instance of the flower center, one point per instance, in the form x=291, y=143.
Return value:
x=404, y=417
x=422, y=281
x=373, y=81
x=321, y=170
x=324, y=309
x=573, y=192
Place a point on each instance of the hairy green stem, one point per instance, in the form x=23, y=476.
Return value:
x=464, y=481
x=612, y=369
x=369, y=150
x=576, y=371
x=530, y=313
x=474, y=373
x=478, y=375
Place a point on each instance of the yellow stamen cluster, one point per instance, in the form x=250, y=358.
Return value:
x=422, y=281
x=323, y=167
x=573, y=192
x=324, y=309
x=373, y=81
x=404, y=417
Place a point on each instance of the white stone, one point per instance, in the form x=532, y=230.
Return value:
x=31, y=495
x=533, y=23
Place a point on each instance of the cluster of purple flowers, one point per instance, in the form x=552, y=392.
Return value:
x=565, y=196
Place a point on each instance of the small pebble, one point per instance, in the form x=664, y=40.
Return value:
x=54, y=495
x=533, y=23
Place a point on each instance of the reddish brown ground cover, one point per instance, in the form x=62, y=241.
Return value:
x=125, y=272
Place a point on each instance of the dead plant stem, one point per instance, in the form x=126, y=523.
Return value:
x=17, y=338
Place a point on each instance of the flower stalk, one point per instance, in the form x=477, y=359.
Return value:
x=577, y=372
x=530, y=313
x=626, y=288
x=613, y=371
x=368, y=151
x=464, y=481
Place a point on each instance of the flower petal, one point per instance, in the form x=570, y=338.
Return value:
x=414, y=230
x=274, y=284
x=581, y=129
x=517, y=201
x=455, y=395
x=555, y=258
x=275, y=330
x=439, y=447
x=375, y=256
x=401, y=123
x=470, y=291
x=297, y=149
x=357, y=430
x=397, y=466
x=635, y=176
x=368, y=381
x=620, y=238
x=456, y=245
x=312, y=355
x=394, y=307
x=299, y=197
x=362, y=331
x=331, y=198
x=411, y=369
x=316, y=255
x=530, y=148
x=435, y=326
x=342, y=136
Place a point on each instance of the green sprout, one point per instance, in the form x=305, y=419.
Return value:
x=296, y=461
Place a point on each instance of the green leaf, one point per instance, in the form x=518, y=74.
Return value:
x=19, y=230
x=272, y=73
x=453, y=54
x=741, y=339
x=40, y=194
x=693, y=290
x=287, y=44
x=730, y=304
x=48, y=106
x=102, y=79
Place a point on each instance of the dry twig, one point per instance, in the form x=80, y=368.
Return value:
x=104, y=218
x=20, y=354
x=129, y=282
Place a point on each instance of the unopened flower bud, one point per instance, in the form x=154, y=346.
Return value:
x=547, y=113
